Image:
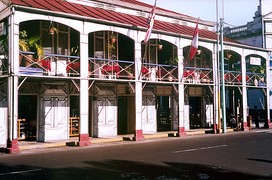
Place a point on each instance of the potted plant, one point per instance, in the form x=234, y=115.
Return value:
x=30, y=44
x=74, y=51
x=262, y=69
x=253, y=68
x=4, y=45
x=173, y=61
x=4, y=52
x=23, y=46
x=35, y=47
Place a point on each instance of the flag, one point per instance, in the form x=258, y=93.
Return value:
x=194, y=43
x=150, y=21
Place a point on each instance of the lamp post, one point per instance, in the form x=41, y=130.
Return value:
x=223, y=98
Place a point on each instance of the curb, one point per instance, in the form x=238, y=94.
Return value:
x=23, y=145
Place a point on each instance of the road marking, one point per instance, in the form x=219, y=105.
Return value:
x=19, y=172
x=265, y=131
x=203, y=148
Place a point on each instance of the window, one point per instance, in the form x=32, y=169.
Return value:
x=57, y=43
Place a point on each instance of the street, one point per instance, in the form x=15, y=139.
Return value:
x=237, y=155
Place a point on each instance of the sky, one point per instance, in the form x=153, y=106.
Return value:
x=236, y=12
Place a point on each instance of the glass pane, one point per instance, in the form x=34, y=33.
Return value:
x=63, y=43
x=98, y=44
x=47, y=42
x=62, y=27
x=153, y=54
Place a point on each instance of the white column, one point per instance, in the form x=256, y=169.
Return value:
x=181, y=128
x=13, y=40
x=138, y=133
x=84, y=92
x=216, y=89
x=268, y=80
x=244, y=94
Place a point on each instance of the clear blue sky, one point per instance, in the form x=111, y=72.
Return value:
x=236, y=12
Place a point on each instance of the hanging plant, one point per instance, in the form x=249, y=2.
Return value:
x=113, y=38
x=160, y=46
x=52, y=30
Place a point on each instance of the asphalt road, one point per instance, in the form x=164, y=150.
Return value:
x=238, y=155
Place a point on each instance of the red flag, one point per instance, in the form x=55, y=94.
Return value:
x=194, y=43
x=151, y=19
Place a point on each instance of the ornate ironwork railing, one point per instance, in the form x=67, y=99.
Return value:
x=69, y=66
x=197, y=75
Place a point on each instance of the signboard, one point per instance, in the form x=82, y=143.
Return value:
x=255, y=61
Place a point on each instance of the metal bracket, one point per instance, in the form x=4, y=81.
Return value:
x=91, y=85
x=21, y=83
x=143, y=86
x=131, y=86
x=175, y=88
x=239, y=88
x=210, y=89
x=76, y=85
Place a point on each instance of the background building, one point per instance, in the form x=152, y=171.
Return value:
x=256, y=33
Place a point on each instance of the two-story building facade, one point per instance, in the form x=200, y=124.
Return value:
x=81, y=68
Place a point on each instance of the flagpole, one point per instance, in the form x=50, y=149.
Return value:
x=223, y=77
x=218, y=71
x=151, y=19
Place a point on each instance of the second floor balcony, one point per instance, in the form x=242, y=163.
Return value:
x=52, y=65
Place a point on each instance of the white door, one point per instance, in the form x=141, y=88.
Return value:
x=3, y=126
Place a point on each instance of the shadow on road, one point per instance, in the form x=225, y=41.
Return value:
x=260, y=160
x=120, y=169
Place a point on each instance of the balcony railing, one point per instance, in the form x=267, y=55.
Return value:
x=197, y=75
x=233, y=77
x=50, y=65
x=252, y=79
x=69, y=66
x=111, y=69
x=159, y=72
x=255, y=79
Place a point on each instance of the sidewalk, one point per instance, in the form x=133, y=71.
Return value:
x=72, y=141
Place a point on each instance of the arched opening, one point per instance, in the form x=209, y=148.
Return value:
x=44, y=54
x=111, y=56
x=257, y=101
x=198, y=98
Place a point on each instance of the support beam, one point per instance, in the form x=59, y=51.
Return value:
x=84, y=92
x=181, y=124
x=243, y=92
x=138, y=132
x=13, y=40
